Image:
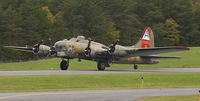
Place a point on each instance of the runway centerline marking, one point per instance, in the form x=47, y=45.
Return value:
x=100, y=95
x=22, y=95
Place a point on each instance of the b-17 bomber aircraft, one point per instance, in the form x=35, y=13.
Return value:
x=143, y=52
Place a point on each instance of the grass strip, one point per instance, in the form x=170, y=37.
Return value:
x=98, y=81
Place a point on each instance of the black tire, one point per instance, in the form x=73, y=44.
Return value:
x=64, y=65
x=101, y=66
x=135, y=67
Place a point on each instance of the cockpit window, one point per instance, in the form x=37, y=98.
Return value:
x=73, y=39
x=78, y=39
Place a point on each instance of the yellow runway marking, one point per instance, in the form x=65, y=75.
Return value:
x=22, y=95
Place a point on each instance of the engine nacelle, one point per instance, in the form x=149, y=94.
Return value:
x=43, y=50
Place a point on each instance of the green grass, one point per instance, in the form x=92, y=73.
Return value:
x=171, y=98
x=98, y=81
x=190, y=59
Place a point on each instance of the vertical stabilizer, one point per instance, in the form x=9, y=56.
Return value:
x=147, y=39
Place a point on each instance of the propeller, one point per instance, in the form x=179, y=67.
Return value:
x=112, y=48
x=88, y=49
x=52, y=50
x=37, y=46
x=50, y=42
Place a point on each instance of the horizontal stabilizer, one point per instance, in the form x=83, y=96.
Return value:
x=155, y=50
x=161, y=57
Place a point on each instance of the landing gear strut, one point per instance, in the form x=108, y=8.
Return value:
x=135, y=67
x=64, y=64
x=101, y=66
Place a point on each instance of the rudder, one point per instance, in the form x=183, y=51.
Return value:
x=147, y=39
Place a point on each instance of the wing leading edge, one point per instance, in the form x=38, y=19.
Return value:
x=29, y=49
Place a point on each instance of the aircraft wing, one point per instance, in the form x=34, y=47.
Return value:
x=153, y=51
x=29, y=49
x=144, y=52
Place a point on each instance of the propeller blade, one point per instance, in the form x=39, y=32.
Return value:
x=36, y=47
x=50, y=42
x=52, y=51
x=112, y=48
x=90, y=39
x=88, y=49
x=40, y=43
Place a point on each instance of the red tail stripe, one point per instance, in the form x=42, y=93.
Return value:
x=146, y=43
x=5, y=46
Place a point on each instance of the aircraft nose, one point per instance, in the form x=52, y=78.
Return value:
x=60, y=45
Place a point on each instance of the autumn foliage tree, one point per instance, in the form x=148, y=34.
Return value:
x=26, y=22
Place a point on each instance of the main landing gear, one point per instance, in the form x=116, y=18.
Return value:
x=64, y=64
x=101, y=66
x=135, y=67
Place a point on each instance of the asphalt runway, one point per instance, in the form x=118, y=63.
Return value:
x=60, y=72
x=97, y=95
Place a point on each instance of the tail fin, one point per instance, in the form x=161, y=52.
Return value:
x=147, y=39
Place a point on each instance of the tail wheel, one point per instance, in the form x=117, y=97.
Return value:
x=135, y=67
x=64, y=65
x=101, y=66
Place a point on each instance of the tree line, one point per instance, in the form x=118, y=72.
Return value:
x=26, y=22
